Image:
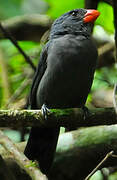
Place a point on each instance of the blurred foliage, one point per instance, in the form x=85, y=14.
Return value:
x=97, y=176
x=113, y=176
x=17, y=66
x=59, y=7
x=9, y=8
x=34, y=6
x=106, y=17
x=105, y=77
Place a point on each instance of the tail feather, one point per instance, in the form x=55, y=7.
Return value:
x=41, y=146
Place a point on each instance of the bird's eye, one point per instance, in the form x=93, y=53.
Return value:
x=74, y=13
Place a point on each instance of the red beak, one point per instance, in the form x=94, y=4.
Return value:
x=91, y=15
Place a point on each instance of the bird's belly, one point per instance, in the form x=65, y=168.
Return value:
x=64, y=90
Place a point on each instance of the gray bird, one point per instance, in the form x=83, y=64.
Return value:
x=63, y=77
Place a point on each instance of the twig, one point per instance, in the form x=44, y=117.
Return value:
x=106, y=55
x=115, y=97
x=11, y=38
x=100, y=164
x=18, y=92
x=105, y=48
x=114, y=155
x=20, y=158
x=4, y=77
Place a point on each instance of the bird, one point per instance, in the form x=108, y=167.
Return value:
x=63, y=78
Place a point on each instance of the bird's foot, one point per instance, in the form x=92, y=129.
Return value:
x=86, y=112
x=45, y=111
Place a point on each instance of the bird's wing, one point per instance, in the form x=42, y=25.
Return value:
x=37, y=77
x=42, y=142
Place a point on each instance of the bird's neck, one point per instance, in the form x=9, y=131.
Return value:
x=61, y=34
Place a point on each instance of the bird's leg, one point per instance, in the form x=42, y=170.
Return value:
x=45, y=111
x=86, y=112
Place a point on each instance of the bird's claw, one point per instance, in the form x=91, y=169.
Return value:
x=86, y=112
x=45, y=111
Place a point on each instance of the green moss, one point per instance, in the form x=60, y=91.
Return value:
x=61, y=112
x=95, y=135
x=31, y=164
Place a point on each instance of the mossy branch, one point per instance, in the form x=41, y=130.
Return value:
x=57, y=117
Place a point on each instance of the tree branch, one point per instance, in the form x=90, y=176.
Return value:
x=8, y=35
x=68, y=118
x=4, y=77
x=20, y=158
x=27, y=27
x=100, y=164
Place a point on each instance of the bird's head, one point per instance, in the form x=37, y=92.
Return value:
x=74, y=22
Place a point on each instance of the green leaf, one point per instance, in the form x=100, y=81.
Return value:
x=58, y=7
x=9, y=8
x=106, y=17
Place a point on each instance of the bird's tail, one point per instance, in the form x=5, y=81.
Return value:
x=41, y=146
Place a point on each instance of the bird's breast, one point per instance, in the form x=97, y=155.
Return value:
x=68, y=77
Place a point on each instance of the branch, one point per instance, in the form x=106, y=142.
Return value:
x=8, y=35
x=115, y=97
x=93, y=4
x=27, y=27
x=18, y=92
x=100, y=164
x=4, y=78
x=20, y=158
x=106, y=55
x=67, y=118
